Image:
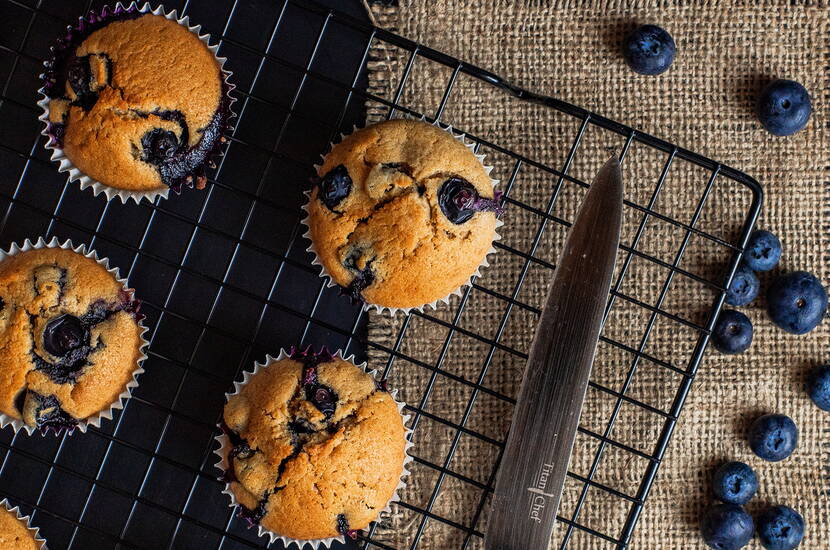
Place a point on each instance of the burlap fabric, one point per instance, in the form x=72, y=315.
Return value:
x=726, y=53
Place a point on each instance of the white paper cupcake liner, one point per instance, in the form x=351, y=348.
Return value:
x=75, y=174
x=106, y=414
x=434, y=304
x=27, y=521
x=225, y=446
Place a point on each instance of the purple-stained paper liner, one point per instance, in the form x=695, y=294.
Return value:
x=75, y=35
x=225, y=446
x=83, y=424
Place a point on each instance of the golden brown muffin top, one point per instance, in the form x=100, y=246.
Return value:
x=403, y=214
x=140, y=95
x=69, y=338
x=318, y=448
x=14, y=534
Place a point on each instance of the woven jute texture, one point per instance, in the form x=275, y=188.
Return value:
x=569, y=50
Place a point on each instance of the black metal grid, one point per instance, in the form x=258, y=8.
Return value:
x=225, y=279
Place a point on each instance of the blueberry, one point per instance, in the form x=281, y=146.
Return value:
x=784, y=107
x=48, y=414
x=343, y=527
x=335, y=186
x=732, y=332
x=818, y=387
x=253, y=517
x=734, y=483
x=323, y=398
x=762, y=251
x=744, y=288
x=648, y=49
x=359, y=261
x=243, y=451
x=780, y=528
x=796, y=302
x=773, y=437
x=159, y=146
x=726, y=527
x=64, y=334
x=459, y=200
x=79, y=77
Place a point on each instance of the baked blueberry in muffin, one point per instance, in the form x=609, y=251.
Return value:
x=317, y=448
x=136, y=101
x=402, y=214
x=71, y=338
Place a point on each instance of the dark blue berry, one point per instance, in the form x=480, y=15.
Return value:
x=780, y=528
x=818, y=387
x=732, y=332
x=64, y=334
x=784, y=107
x=242, y=450
x=159, y=146
x=796, y=302
x=363, y=278
x=726, y=527
x=323, y=398
x=762, y=251
x=253, y=517
x=343, y=527
x=648, y=49
x=459, y=200
x=78, y=75
x=335, y=186
x=734, y=483
x=773, y=437
x=744, y=287
x=49, y=414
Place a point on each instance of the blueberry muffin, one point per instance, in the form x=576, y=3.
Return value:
x=402, y=214
x=70, y=335
x=136, y=101
x=15, y=533
x=318, y=447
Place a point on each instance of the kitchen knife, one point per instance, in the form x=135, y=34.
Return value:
x=546, y=416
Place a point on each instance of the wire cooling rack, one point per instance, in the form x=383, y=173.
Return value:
x=225, y=279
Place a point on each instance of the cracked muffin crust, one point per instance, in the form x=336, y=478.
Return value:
x=136, y=101
x=70, y=338
x=15, y=533
x=318, y=447
x=402, y=214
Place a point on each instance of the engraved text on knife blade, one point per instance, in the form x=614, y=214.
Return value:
x=538, y=496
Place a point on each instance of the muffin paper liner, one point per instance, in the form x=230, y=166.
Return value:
x=225, y=446
x=26, y=520
x=66, y=165
x=434, y=304
x=106, y=414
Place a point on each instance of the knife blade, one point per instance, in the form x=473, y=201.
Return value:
x=546, y=417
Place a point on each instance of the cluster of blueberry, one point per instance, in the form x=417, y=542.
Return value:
x=728, y=526
x=796, y=301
